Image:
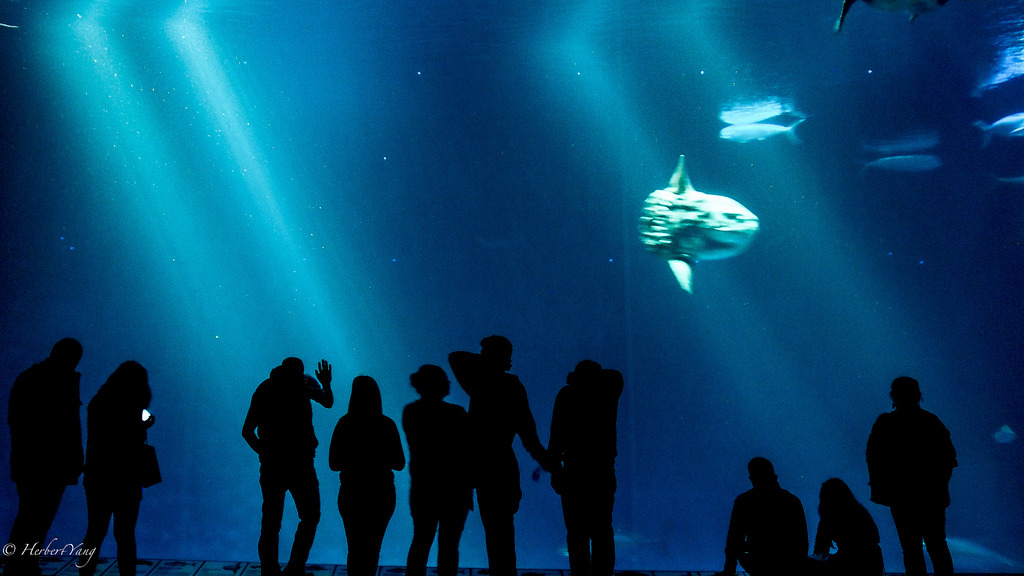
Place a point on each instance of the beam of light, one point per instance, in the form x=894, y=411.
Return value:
x=120, y=113
x=132, y=138
x=218, y=98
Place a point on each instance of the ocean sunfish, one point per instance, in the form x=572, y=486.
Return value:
x=912, y=7
x=759, y=131
x=1011, y=126
x=683, y=226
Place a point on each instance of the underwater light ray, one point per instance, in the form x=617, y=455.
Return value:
x=311, y=298
x=129, y=141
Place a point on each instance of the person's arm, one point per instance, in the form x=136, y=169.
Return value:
x=801, y=526
x=734, y=540
x=555, y=443
x=397, y=456
x=466, y=367
x=336, y=453
x=324, y=396
x=823, y=538
x=249, y=427
x=613, y=380
x=526, y=427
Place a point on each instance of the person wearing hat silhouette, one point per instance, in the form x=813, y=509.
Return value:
x=910, y=459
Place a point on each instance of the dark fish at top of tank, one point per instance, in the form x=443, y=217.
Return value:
x=912, y=7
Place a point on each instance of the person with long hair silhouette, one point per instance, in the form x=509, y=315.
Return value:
x=845, y=524
x=117, y=423
x=365, y=451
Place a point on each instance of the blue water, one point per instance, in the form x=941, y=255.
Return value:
x=208, y=187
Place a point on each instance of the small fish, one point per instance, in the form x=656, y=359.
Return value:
x=1005, y=435
x=1011, y=180
x=1011, y=126
x=2, y=25
x=757, y=131
x=904, y=163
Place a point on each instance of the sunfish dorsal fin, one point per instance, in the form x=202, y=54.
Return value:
x=680, y=180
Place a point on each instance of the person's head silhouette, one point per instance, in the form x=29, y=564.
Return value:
x=365, y=399
x=585, y=371
x=66, y=354
x=905, y=392
x=762, y=473
x=430, y=381
x=836, y=499
x=497, y=352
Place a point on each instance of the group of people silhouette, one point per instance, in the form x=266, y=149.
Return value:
x=452, y=453
x=910, y=459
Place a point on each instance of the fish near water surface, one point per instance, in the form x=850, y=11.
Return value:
x=683, y=225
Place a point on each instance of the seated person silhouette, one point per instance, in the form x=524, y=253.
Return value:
x=768, y=529
x=845, y=523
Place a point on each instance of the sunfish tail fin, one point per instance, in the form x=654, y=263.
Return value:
x=684, y=274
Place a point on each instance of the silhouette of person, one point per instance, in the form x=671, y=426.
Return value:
x=768, y=529
x=117, y=428
x=365, y=450
x=582, y=444
x=846, y=523
x=441, y=494
x=910, y=460
x=498, y=411
x=46, y=448
x=279, y=427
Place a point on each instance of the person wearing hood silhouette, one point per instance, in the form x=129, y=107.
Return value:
x=365, y=451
